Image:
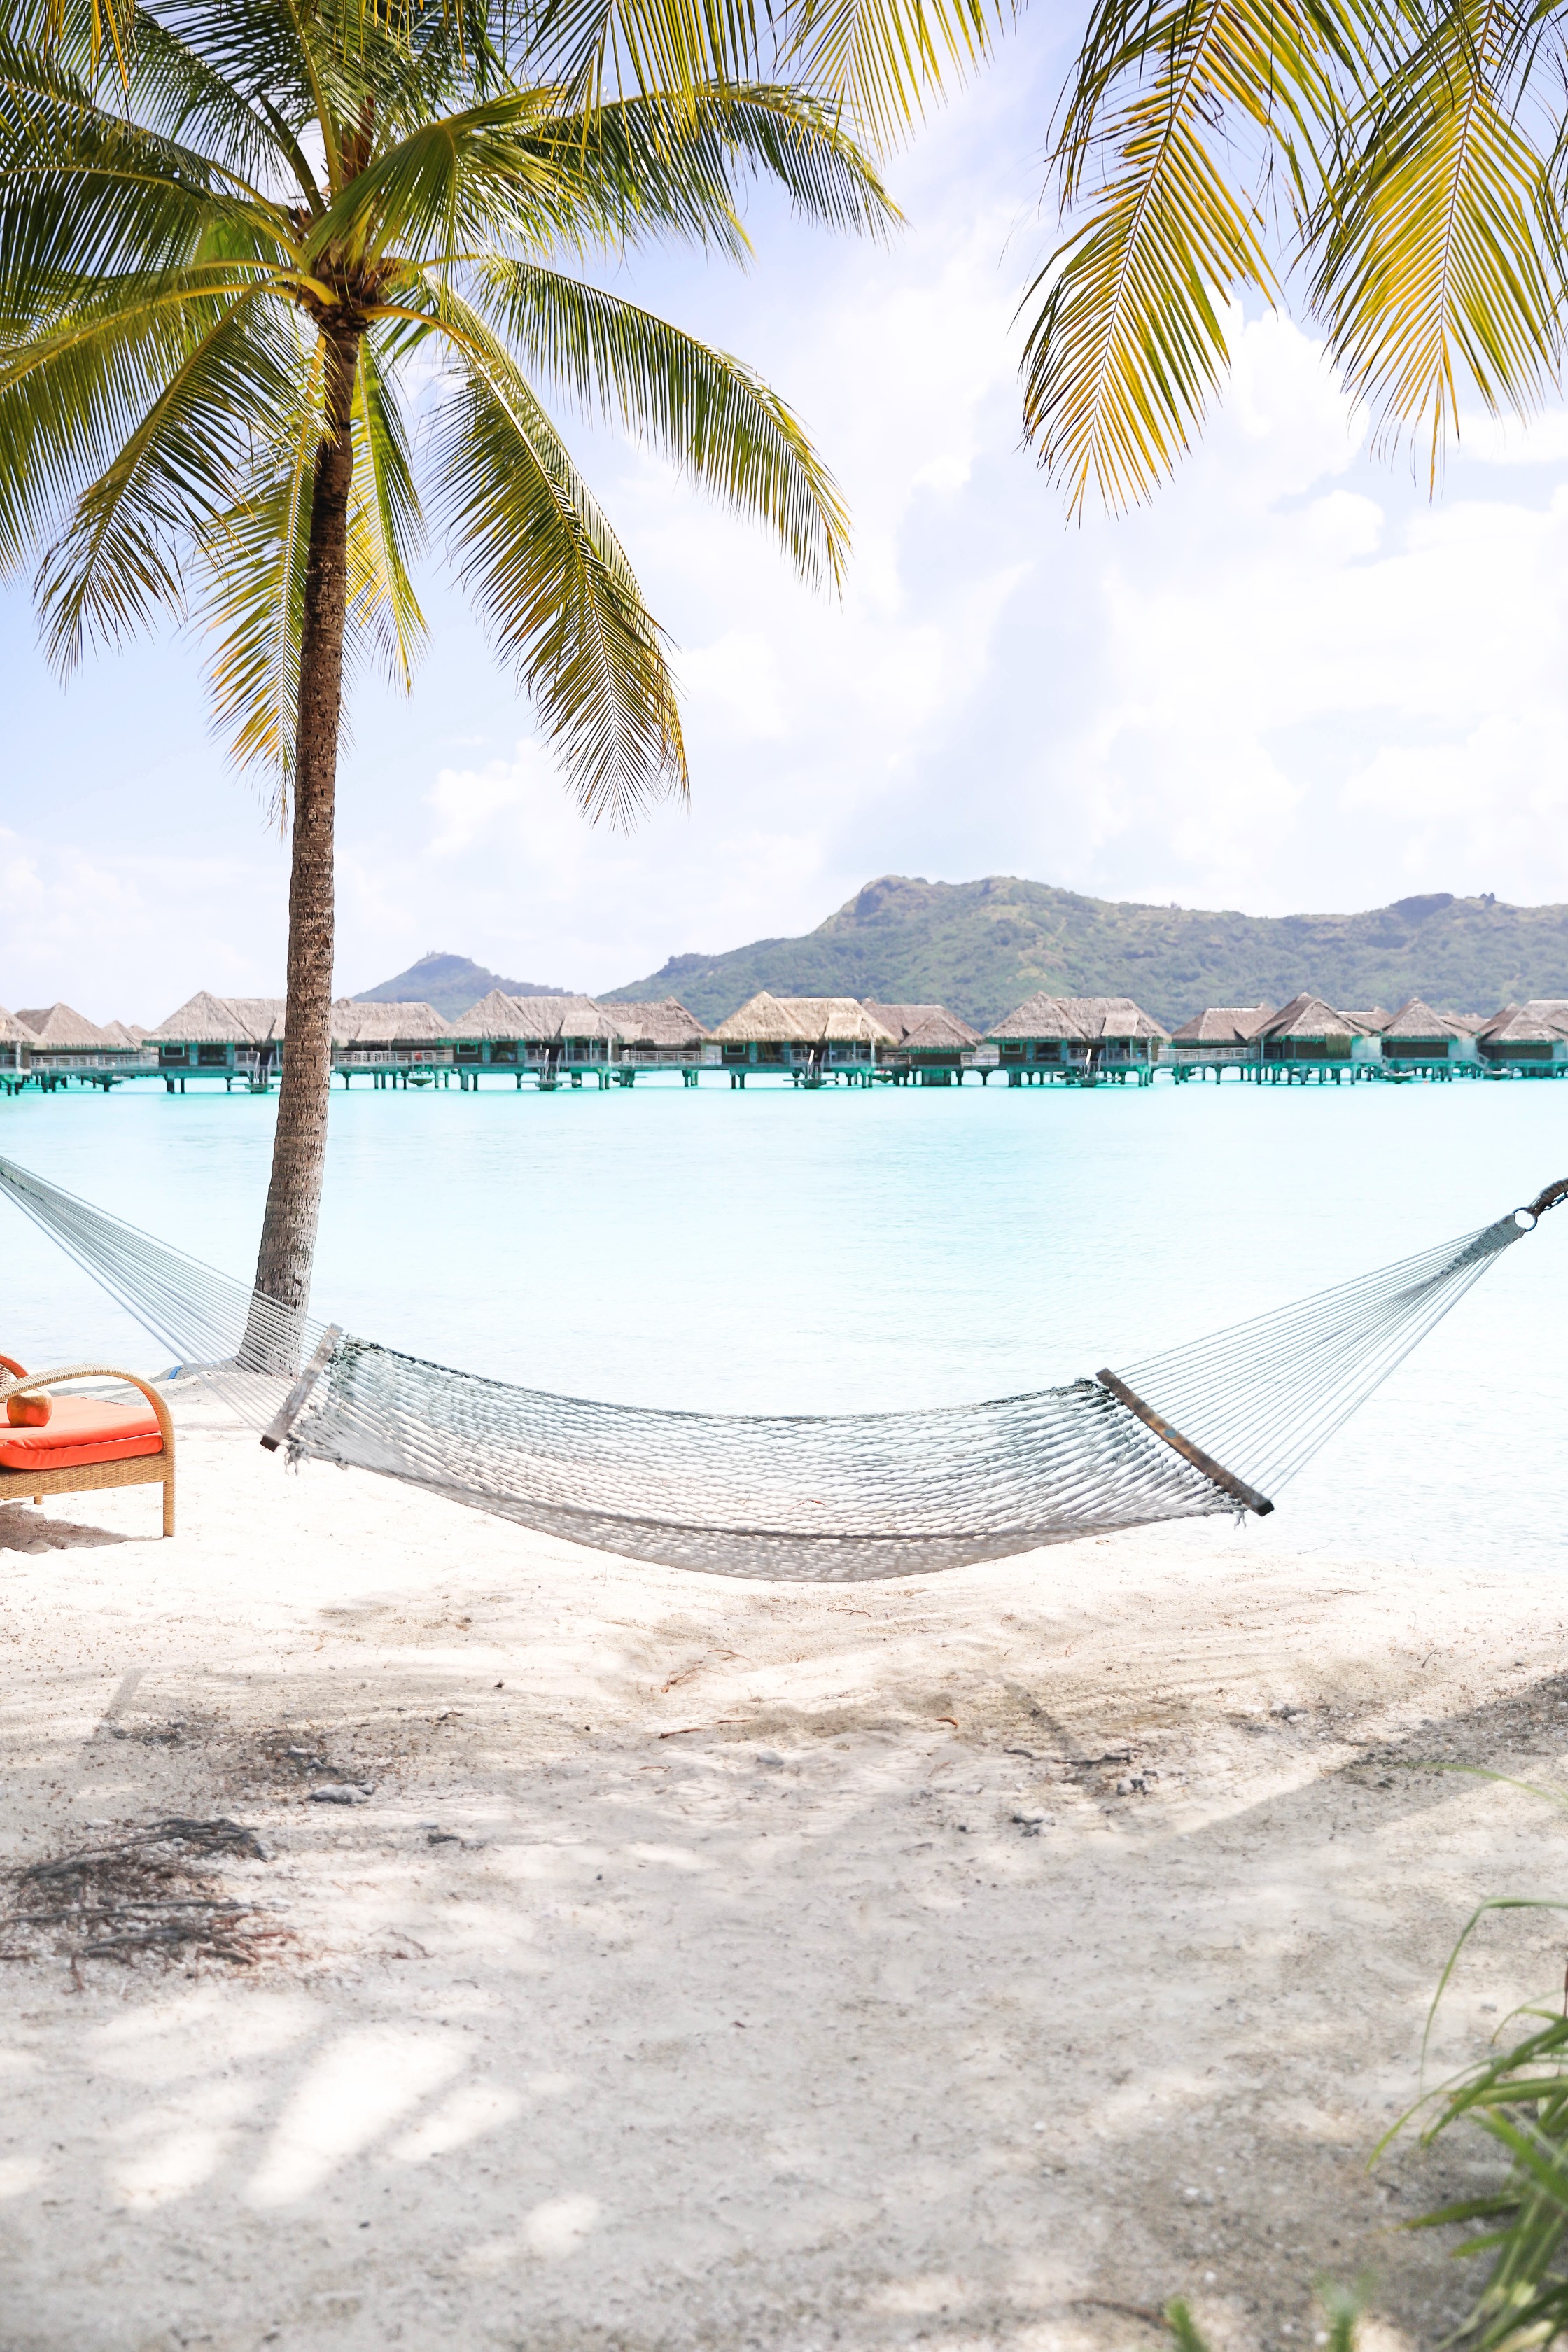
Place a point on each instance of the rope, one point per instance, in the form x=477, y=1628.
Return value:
x=1227, y=1421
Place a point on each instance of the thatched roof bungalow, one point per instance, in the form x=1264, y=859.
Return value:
x=63, y=1041
x=801, y=1032
x=16, y=1044
x=658, y=1034
x=1307, y=1030
x=1219, y=1037
x=1531, y=1039
x=1417, y=1038
x=546, y=1031
x=1078, y=1034
x=220, y=1035
x=925, y=1036
x=389, y=1040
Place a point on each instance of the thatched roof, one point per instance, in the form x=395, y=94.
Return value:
x=1375, y=1021
x=123, y=1038
x=261, y=1015
x=541, y=1020
x=1081, y=1020
x=59, y=1028
x=202, y=1020
x=802, y=1021
x=1417, y=1018
x=358, y=1023
x=13, y=1032
x=1309, y=1018
x=208, y=1020
x=1221, y=1025
x=495, y=1015
x=665, y=1023
x=923, y=1028
x=761, y=1020
x=1039, y=1016
x=1542, y=1018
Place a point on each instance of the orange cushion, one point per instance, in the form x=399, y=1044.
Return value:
x=82, y=1429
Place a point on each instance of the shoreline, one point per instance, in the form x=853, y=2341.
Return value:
x=719, y=1963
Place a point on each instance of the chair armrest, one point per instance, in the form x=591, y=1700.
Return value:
x=96, y=1372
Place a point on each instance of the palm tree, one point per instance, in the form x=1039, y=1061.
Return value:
x=1404, y=160
x=278, y=280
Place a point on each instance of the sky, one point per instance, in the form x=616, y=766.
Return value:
x=1294, y=682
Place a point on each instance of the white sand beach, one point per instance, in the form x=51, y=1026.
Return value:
x=712, y=1964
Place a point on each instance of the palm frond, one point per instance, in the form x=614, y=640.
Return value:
x=1127, y=339
x=254, y=557
x=1441, y=256
x=879, y=61
x=386, y=523
x=662, y=166
x=552, y=584
x=119, y=558
x=874, y=63
x=709, y=414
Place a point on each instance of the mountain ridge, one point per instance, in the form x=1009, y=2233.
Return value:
x=981, y=947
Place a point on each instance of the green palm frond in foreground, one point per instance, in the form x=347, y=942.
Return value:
x=287, y=287
x=1403, y=159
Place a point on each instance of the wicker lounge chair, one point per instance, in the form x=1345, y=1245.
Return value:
x=88, y=1441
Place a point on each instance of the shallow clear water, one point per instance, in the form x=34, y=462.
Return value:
x=820, y=1251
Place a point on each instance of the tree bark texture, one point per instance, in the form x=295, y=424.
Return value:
x=299, y=1144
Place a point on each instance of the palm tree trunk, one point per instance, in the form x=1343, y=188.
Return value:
x=299, y=1144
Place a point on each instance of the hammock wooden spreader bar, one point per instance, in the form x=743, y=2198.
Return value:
x=1219, y=1426
x=1247, y=1496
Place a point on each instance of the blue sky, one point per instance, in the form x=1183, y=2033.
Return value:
x=1292, y=683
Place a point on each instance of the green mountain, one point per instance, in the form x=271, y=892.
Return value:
x=451, y=983
x=982, y=946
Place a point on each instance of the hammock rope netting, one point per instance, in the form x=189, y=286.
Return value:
x=1217, y=1426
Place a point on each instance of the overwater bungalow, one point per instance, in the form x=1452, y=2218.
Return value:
x=658, y=1036
x=15, y=1051
x=1308, y=1036
x=930, y=1044
x=1530, y=1041
x=552, y=1037
x=1219, y=1038
x=809, y=1037
x=238, y=1039
x=1078, y=1038
x=392, y=1044
x=1422, y=1043
x=67, y=1048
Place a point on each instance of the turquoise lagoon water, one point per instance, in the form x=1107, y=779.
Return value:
x=775, y=1249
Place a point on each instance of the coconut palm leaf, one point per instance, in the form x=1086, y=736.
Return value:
x=709, y=412
x=874, y=62
x=1180, y=110
x=553, y=585
x=1440, y=253
x=117, y=562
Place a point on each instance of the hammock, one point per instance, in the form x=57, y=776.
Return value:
x=1217, y=1426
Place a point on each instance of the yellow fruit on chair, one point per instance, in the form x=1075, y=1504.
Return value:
x=29, y=1412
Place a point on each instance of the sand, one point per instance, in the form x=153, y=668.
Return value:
x=944, y=1963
